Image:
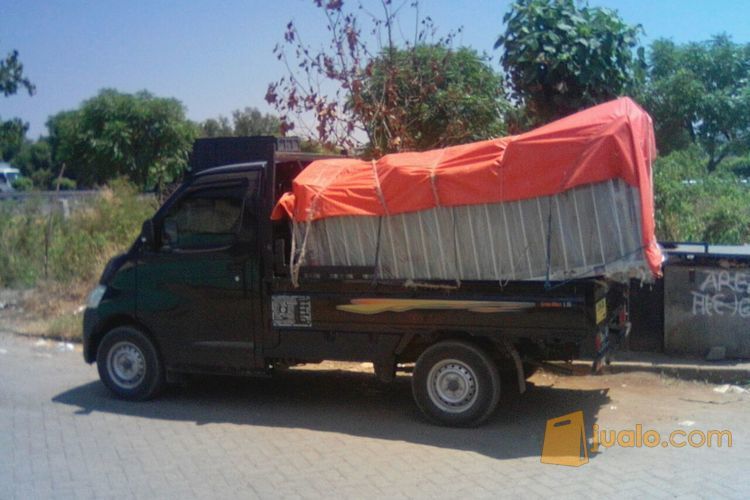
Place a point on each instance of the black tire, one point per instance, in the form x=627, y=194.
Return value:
x=129, y=364
x=456, y=383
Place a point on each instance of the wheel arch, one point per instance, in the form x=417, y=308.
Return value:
x=501, y=348
x=416, y=344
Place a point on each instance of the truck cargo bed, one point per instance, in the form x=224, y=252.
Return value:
x=367, y=319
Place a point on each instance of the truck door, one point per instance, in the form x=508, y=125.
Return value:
x=197, y=291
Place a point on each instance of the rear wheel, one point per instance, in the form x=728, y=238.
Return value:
x=456, y=383
x=129, y=364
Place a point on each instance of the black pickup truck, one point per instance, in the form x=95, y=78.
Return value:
x=206, y=289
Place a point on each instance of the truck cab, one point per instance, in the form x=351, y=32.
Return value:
x=194, y=282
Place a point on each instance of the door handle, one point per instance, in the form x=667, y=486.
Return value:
x=236, y=270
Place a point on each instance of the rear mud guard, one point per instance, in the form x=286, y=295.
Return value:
x=513, y=353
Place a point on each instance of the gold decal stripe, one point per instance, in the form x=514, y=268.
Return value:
x=376, y=306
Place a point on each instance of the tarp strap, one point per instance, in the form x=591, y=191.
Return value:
x=433, y=177
x=301, y=257
x=378, y=190
x=547, y=283
x=457, y=259
x=376, y=272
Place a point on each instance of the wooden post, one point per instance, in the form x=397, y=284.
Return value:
x=48, y=232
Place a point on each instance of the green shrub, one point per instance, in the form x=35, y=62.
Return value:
x=693, y=205
x=42, y=178
x=76, y=248
x=23, y=184
x=21, y=243
x=66, y=184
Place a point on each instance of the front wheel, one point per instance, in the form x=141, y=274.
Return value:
x=456, y=383
x=129, y=364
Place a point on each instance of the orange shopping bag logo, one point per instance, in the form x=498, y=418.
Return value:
x=565, y=441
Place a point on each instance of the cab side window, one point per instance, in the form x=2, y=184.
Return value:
x=204, y=218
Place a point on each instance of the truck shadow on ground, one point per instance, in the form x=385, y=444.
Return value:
x=350, y=403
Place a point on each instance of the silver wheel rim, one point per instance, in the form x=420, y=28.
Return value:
x=452, y=386
x=126, y=365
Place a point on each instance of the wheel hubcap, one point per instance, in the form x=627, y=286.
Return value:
x=126, y=365
x=452, y=386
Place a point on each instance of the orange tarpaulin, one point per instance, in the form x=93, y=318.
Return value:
x=608, y=141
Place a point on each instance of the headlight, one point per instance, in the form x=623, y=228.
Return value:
x=96, y=296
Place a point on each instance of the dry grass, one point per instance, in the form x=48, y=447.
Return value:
x=53, y=299
x=51, y=310
x=67, y=327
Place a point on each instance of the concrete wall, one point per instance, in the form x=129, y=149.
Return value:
x=706, y=305
x=63, y=202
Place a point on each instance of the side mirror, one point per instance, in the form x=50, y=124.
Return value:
x=147, y=234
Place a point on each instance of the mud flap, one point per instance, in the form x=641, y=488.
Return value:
x=608, y=339
x=513, y=353
x=601, y=345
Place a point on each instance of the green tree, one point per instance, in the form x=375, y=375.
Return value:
x=12, y=79
x=66, y=141
x=412, y=92
x=560, y=58
x=216, y=127
x=700, y=93
x=35, y=161
x=245, y=122
x=12, y=137
x=430, y=96
x=116, y=134
x=250, y=121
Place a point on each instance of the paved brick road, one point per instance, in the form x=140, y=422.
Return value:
x=319, y=434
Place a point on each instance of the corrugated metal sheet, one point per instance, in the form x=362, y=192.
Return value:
x=586, y=231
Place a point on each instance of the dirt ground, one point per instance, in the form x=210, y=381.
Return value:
x=630, y=394
x=629, y=398
x=51, y=310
